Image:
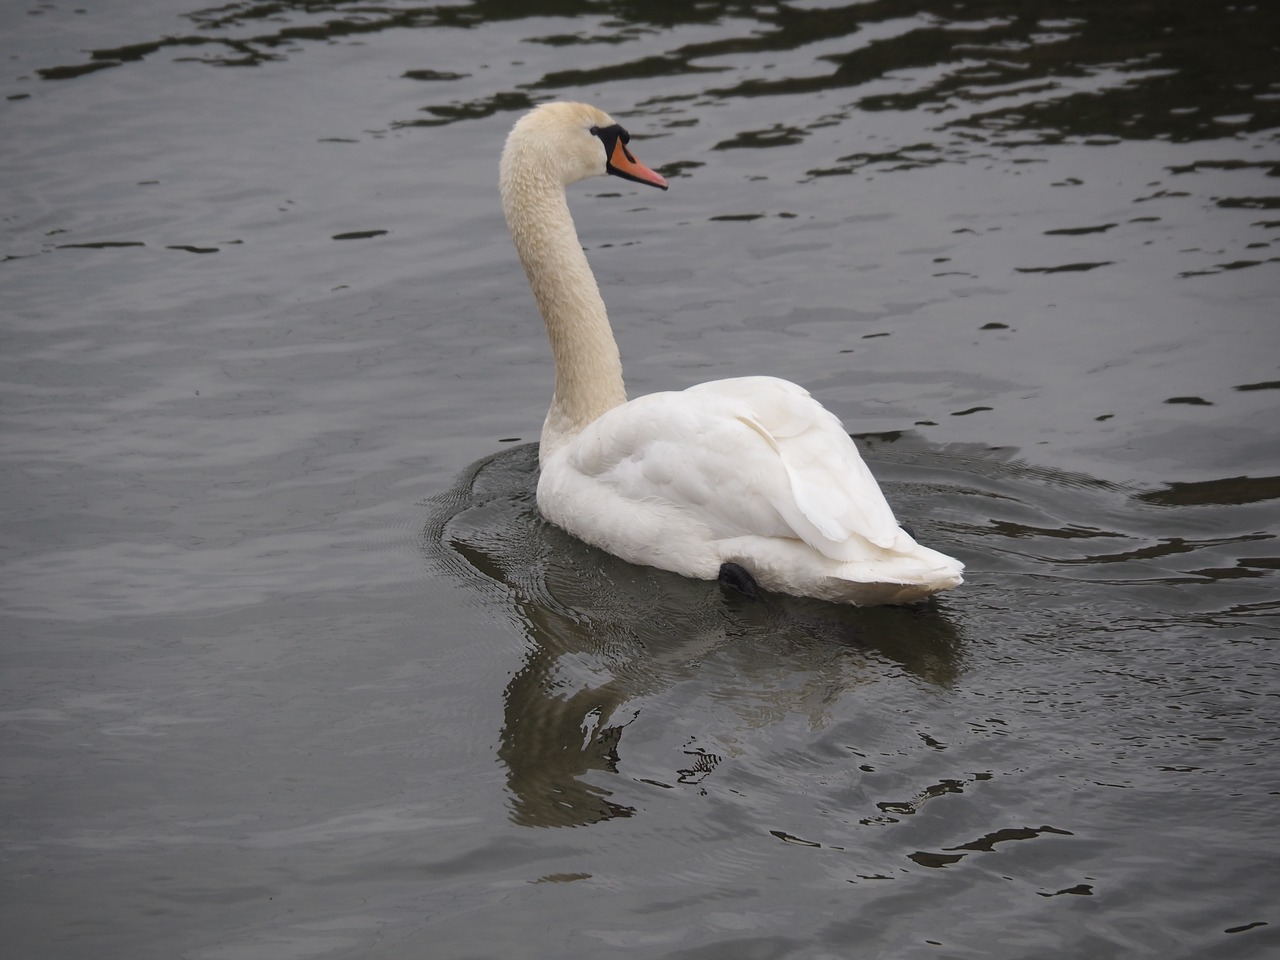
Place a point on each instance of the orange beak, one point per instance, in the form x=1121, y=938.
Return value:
x=623, y=164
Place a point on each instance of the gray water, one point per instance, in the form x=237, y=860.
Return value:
x=292, y=669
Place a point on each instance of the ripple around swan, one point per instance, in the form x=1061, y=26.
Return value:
x=1090, y=655
x=607, y=640
x=602, y=633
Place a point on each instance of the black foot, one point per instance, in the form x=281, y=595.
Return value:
x=910, y=530
x=740, y=579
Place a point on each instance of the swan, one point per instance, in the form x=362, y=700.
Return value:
x=749, y=480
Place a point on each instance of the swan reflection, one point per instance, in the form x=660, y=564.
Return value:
x=603, y=635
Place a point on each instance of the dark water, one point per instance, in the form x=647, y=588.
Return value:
x=292, y=669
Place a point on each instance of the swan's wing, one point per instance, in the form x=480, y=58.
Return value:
x=750, y=456
x=831, y=485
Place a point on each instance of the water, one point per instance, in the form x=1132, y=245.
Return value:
x=292, y=669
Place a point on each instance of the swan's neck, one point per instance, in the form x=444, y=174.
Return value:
x=588, y=368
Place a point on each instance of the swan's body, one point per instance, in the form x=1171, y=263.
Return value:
x=750, y=471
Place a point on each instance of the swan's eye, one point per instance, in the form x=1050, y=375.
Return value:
x=619, y=161
x=612, y=133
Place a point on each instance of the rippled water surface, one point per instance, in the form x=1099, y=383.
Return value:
x=292, y=668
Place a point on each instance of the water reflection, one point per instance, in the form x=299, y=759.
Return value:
x=603, y=635
x=1232, y=490
x=1181, y=70
x=609, y=642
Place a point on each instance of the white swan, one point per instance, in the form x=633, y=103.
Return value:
x=744, y=479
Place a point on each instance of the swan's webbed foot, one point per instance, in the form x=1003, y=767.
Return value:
x=911, y=532
x=739, y=578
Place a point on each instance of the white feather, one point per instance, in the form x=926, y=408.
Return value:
x=752, y=470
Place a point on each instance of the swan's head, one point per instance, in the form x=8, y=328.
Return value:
x=571, y=142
